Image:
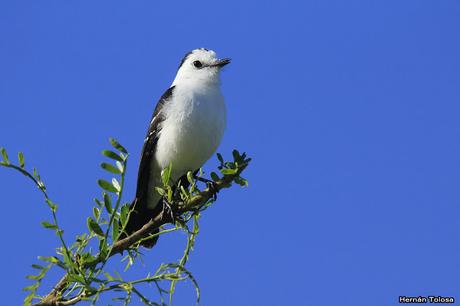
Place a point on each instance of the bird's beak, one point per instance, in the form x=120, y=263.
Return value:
x=221, y=63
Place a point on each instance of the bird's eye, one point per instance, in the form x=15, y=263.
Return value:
x=197, y=64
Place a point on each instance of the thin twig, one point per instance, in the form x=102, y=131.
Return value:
x=193, y=204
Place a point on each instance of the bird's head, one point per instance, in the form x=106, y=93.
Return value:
x=200, y=66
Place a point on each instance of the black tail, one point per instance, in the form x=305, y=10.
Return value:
x=139, y=216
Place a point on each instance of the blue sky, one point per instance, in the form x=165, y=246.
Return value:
x=349, y=109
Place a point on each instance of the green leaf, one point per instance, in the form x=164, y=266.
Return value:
x=190, y=178
x=5, y=156
x=51, y=259
x=34, y=277
x=35, y=266
x=116, y=184
x=48, y=225
x=98, y=203
x=110, y=168
x=21, y=159
x=241, y=181
x=51, y=205
x=88, y=259
x=96, y=213
x=28, y=299
x=220, y=158
x=214, y=176
x=112, y=155
x=236, y=155
x=77, y=278
x=108, y=276
x=115, y=230
x=170, y=194
x=31, y=287
x=160, y=191
x=117, y=145
x=124, y=212
x=120, y=166
x=228, y=171
x=118, y=275
x=107, y=186
x=94, y=227
x=103, y=248
x=166, y=175
x=108, y=203
x=67, y=260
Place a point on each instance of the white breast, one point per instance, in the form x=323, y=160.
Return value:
x=194, y=124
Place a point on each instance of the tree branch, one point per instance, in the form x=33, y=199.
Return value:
x=54, y=298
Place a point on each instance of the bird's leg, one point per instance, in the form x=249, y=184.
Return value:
x=167, y=209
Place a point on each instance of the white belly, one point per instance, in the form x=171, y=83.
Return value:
x=190, y=134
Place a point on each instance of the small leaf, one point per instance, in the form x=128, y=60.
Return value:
x=110, y=168
x=190, y=178
x=28, y=299
x=50, y=259
x=94, y=227
x=89, y=259
x=124, y=211
x=103, y=248
x=130, y=262
x=35, y=266
x=115, y=230
x=34, y=277
x=170, y=194
x=214, y=176
x=112, y=155
x=160, y=191
x=228, y=171
x=120, y=166
x=51, y=205
x=107, y=203
x=116, y=184
x=107, y=186
x=236, y=155
x=21, y=159
x=108, y=276
x=220, y=158
x=118, y=275
x=77, y=278
x=5, y=156
x=117, y=145
x=31, y=287
x=98, y=203
x=48, y=225
x=96, y=213
x=241, y=181
x=67, y=260
x=166, y=175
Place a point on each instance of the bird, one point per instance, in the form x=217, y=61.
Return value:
x=185, y=130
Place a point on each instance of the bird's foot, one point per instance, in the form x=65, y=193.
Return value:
x=168, y=210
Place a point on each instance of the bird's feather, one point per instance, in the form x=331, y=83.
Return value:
x=141, y=213
x=149, y=148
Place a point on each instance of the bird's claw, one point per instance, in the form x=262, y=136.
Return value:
x=167, y=210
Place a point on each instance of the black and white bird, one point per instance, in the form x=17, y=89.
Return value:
x=186, y=128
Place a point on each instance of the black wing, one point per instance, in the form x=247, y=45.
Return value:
x=149, y=148
x=141, y=214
